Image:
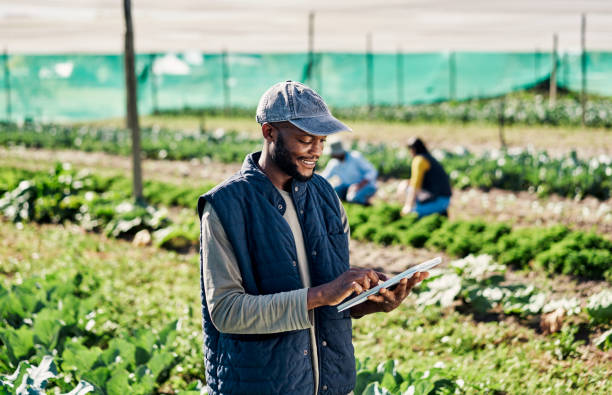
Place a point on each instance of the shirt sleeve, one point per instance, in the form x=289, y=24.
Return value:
x=367, y=169
x=231, y=309
x=419, y=166
x=331, y=169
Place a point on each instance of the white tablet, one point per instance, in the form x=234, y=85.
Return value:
x=362, y=297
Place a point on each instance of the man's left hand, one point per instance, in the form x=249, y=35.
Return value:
x=387, y=300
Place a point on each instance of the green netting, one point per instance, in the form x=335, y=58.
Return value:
x=78, y=87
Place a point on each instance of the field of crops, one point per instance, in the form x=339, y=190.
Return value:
x=99, y=294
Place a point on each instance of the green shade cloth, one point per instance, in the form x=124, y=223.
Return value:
x=81, y=87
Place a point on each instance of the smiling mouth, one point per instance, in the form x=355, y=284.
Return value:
x=310, y=163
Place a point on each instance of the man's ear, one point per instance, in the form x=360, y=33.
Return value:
x=268, y=132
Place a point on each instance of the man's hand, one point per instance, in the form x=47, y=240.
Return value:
x=387, y=300
x=332, y=293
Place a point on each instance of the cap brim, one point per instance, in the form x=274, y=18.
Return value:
x=320, y=126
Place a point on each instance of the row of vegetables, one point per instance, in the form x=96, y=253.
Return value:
x=520, y=108
x=103, y=204
x=514, y=169
x=556, y=249
x=515, y=110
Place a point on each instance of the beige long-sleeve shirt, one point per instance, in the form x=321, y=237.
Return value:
x=231, y=309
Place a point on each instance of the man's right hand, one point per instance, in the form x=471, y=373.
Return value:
x=334, y=292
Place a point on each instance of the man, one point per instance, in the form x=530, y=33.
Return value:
x=275, y=262
x=428, y=191
x=353, y=177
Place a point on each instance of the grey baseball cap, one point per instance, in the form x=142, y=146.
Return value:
x=296, y=103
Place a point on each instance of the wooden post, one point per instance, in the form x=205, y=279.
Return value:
x=154, y=102
x=583, y=67
x=226, y=87
x=7, y=85
x=132, y=101
x=400, y=77
x=536, y=65
x=452, y=76
x=310, y=65
x=553, y=75
x=566, y=66
x=369, y=72
x=502, y=110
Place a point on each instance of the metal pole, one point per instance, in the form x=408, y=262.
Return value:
x=132, y=101
x=553, y=75
x=226, y=87
x=452, y=76
x=400, y=77
x=369, y=72
x=154, y=102
x=7, y=85
x=583, y=67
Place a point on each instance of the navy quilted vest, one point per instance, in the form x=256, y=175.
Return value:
x=251, y=210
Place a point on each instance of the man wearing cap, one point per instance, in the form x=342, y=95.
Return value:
x=353, y=177
x=275, y=262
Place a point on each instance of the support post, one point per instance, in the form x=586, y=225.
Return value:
x=310, y=65
x=132, y=102
x=7, y=85
x=226, y=88
x=536, y=65
x=583, y=68
x=369, y=72
x=552, y=97
x=400, y=77
x=452, y=76
x=154, y=102
x=502, y=110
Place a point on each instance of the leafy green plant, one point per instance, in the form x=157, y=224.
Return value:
x=599, y=306
x=31, y=379
x=385, y=379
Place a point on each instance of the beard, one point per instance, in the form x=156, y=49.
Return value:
x=282, y=158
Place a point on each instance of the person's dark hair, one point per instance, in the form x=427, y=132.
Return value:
x=417, y=145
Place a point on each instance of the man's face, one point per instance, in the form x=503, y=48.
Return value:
x=296, y=152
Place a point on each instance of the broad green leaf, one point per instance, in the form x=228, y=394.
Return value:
x=118, y=383
x=98, y=377
x=168, y=334
x=375, y=389
x=80, y=358
x=423, y=387
x=160, y=361
x=364, y=378
x=19, y=343
x=47, y=327
x=146, y=339
x=389, y=382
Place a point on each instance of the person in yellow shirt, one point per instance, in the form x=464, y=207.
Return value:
x=428, y=190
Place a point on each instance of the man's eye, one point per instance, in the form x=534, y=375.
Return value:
x=305, y=142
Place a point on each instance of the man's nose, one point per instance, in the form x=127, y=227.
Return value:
x=317, y=148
